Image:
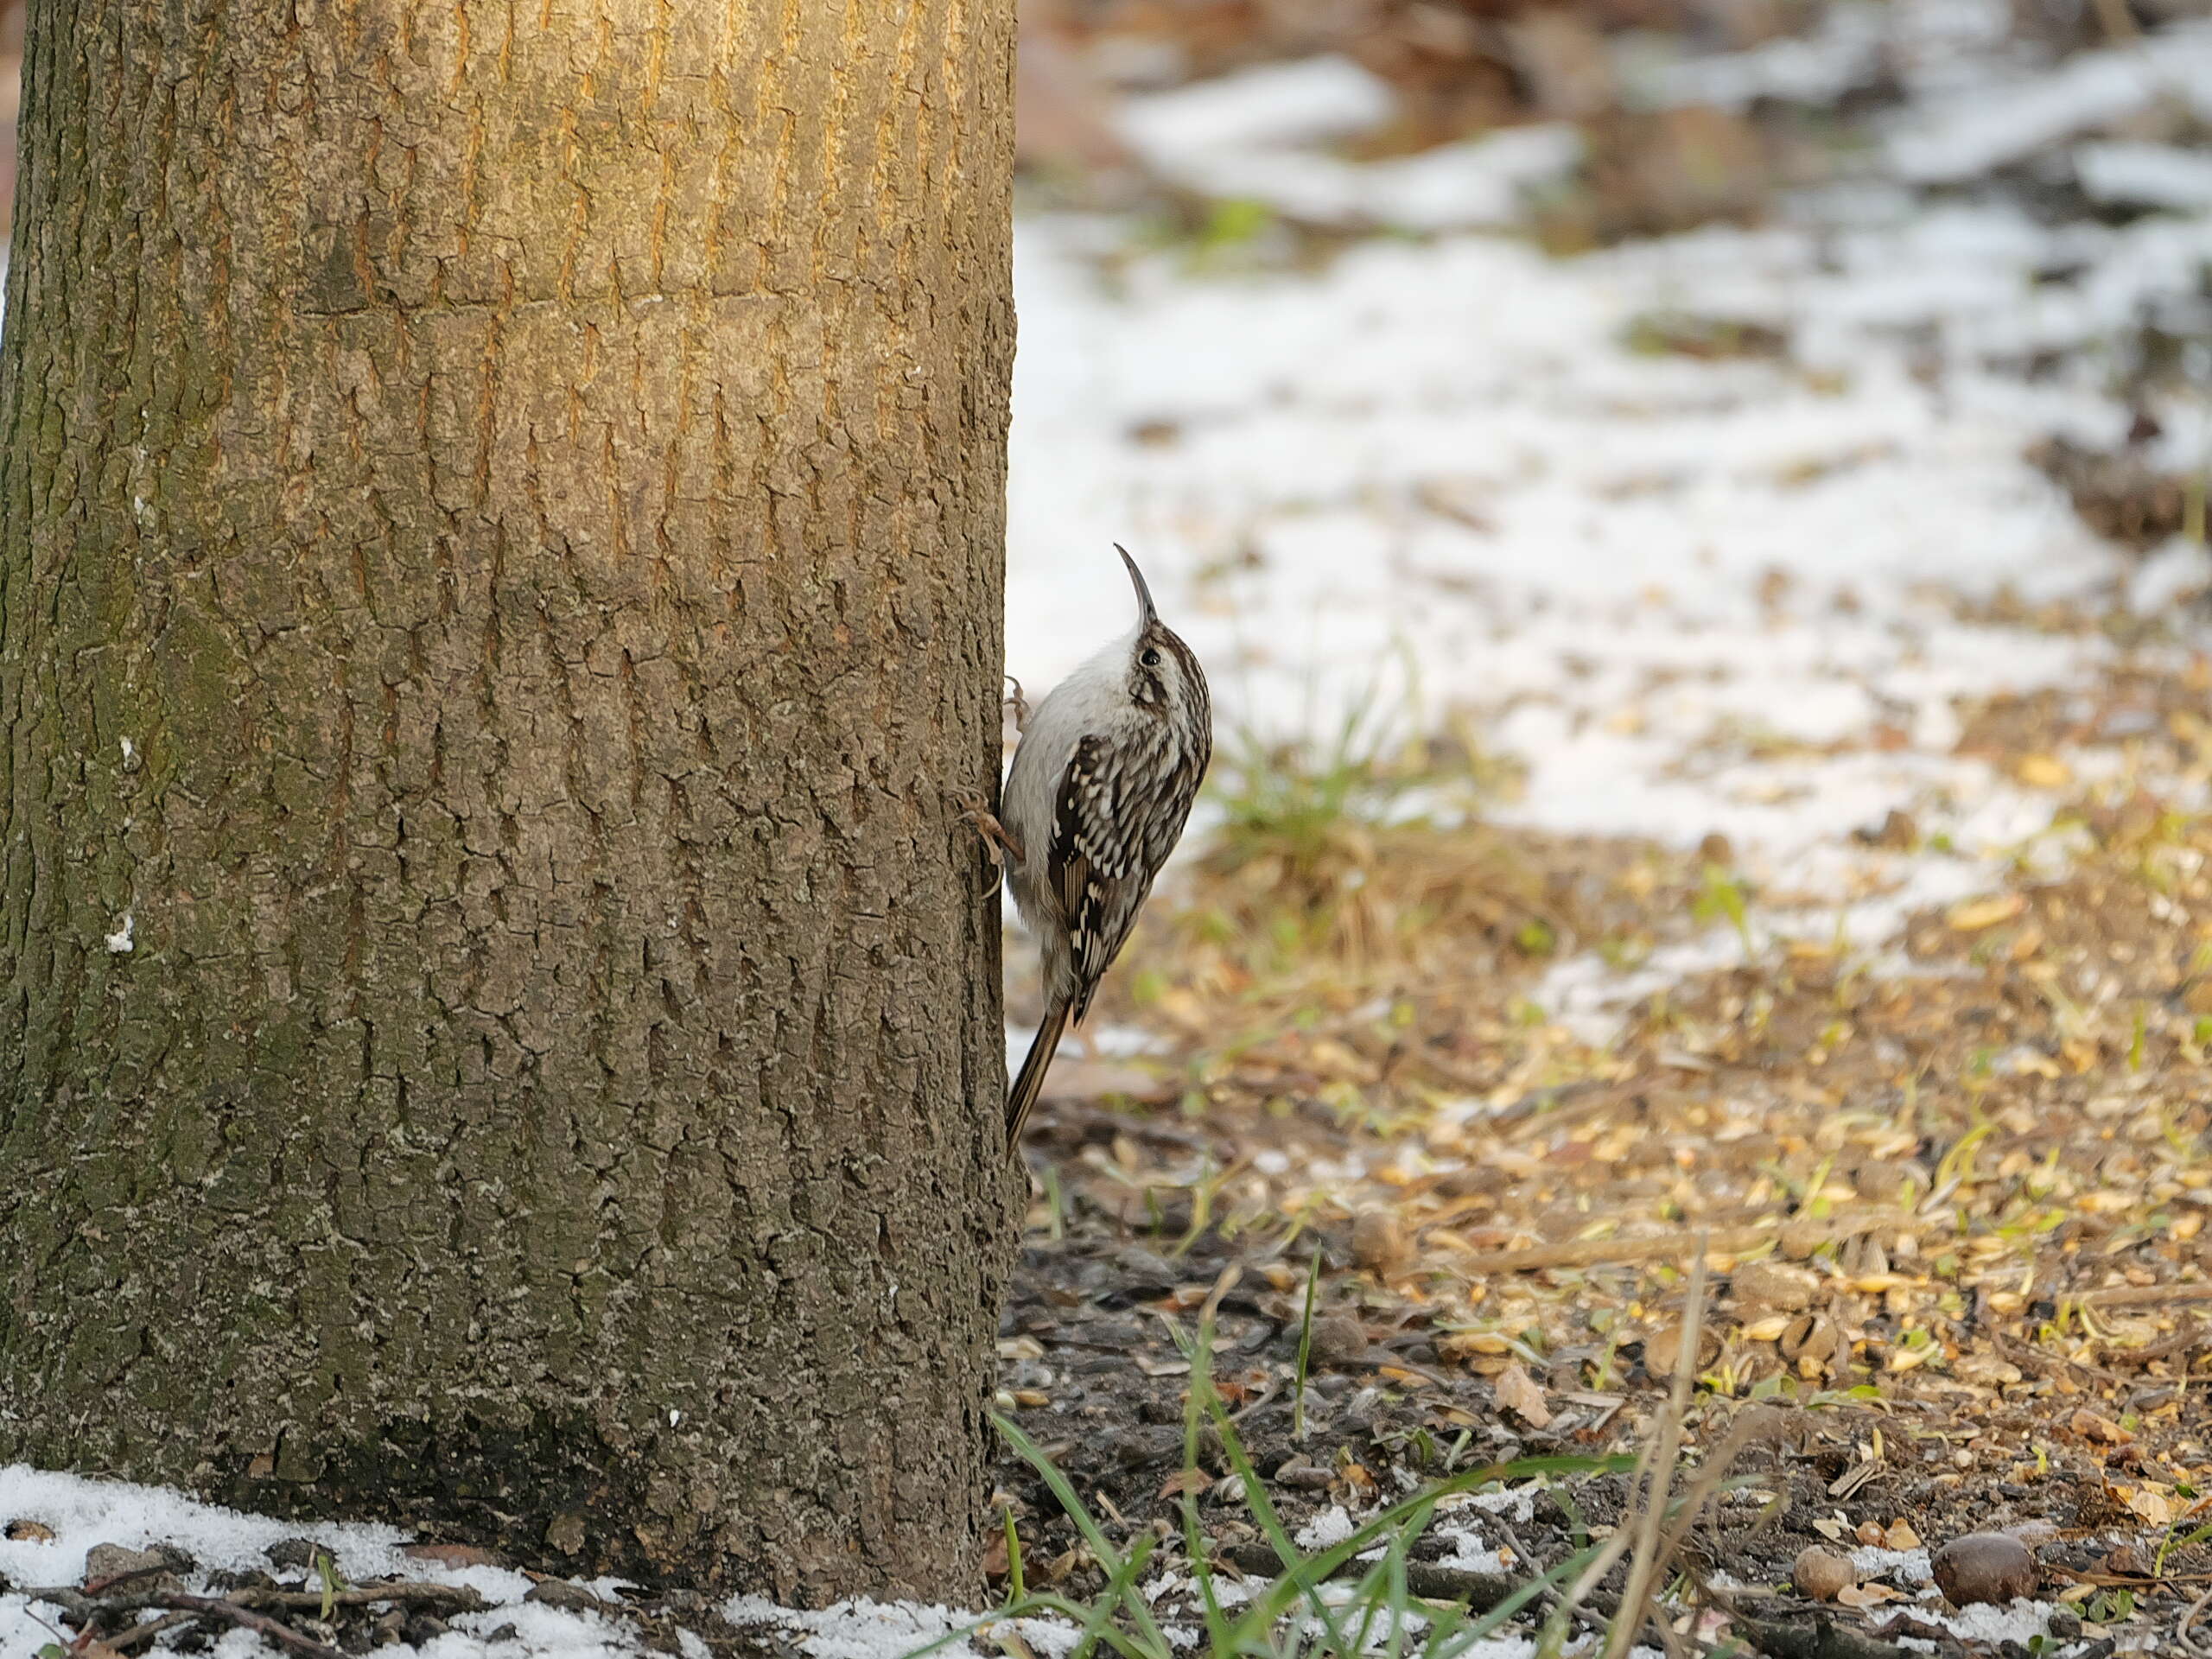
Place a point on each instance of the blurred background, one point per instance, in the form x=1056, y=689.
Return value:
x=1688, y=416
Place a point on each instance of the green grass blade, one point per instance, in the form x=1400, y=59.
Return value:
x=1013, y=1558
x=1093, y=1534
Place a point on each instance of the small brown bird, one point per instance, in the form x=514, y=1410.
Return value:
x=1100, y=788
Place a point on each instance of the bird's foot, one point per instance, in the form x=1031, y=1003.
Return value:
x=1019, y=703
x=998, y=840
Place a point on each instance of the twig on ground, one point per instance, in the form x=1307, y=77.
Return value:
x=101, y=1587
x=1728, y=1240
x=2141, y=1295
x=400, y=1591
x=1480, y=1590
x=243, y=1607
x=284, y=1635
x=2184, y=1633
x=139, y=1635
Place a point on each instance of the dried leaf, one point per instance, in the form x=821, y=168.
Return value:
x=1900, y=1536
x=2090, y=1425
x=1975, y=914
x=28, y=1531
x=1521, y=1396
x=2152, y=1506
x=1849, y=1482
x=1868, y=1595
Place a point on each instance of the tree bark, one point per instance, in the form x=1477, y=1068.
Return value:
x=501, y=568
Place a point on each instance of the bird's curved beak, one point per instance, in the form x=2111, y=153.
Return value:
x=1146, y=614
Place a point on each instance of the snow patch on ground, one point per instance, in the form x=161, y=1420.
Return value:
x=2157, y=175
x=83, y=1512
x=1843, y=54
x=864, y=1629
x=1982, y=127
x=1258, y=135
x=1691, y=597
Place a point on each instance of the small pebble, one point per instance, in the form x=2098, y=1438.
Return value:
x=1774, y=1284
x=148, y=1569
x=1822, y=1574
x=1338, y=1340
x=1985, y=1566
x=1663, y=1349
x=1811, y=1336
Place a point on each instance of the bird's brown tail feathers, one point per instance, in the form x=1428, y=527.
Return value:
x=1030, y=1081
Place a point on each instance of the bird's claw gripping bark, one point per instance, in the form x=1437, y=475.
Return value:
x=998, y=840
x=1019, y=703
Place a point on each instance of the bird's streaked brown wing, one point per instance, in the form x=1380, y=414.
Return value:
x=1098, y=876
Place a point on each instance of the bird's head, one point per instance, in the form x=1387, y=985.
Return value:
x=1163, y=674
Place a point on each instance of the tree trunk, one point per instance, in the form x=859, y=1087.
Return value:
x=501, y=568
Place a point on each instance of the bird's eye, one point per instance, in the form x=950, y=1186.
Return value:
x=1150, y=659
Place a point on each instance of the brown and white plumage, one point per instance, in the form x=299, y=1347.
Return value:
x=1097, y=799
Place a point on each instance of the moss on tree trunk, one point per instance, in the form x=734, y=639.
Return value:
x=501, y=565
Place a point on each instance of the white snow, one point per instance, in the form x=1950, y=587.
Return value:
x=2158, y=175
x=1843, y=52
x=865, y=1628
x=1332, y=1526
x=1982, y=127
x=1272, y=105
x=1904, y=1568
x=2019, y=1620
x=84, y=1512
x=1257, y=136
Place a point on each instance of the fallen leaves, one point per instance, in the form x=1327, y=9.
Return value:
x=1519, y=1395
x=1977, y=915
x=1867, y=1595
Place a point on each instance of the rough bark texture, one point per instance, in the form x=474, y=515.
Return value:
x=501, y=565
